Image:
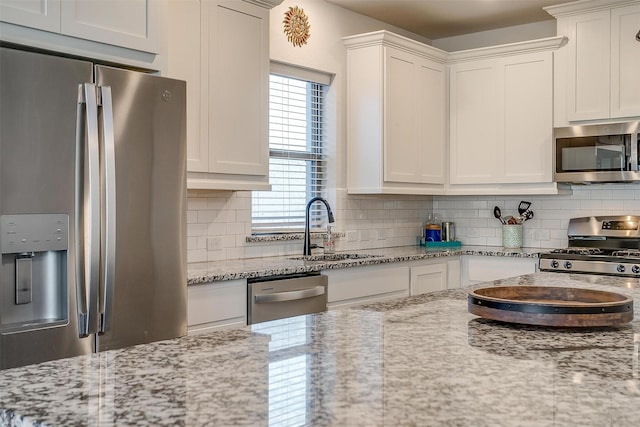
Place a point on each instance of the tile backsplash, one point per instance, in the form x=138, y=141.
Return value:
x=220, y=221
x=476, y=225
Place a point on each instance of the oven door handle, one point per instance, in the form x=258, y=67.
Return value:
x=588, y=238
x=289, y=295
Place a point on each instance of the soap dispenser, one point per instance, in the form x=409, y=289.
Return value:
x=329, y=243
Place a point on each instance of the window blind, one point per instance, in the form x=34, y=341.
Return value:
x=297, y=155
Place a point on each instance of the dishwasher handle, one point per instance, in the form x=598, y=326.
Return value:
x=289, y=295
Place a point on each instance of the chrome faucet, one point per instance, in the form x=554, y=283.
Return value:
x=307, y=240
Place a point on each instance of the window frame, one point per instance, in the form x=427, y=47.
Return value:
x=315, y=156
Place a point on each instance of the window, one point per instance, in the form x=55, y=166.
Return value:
x=297, y=151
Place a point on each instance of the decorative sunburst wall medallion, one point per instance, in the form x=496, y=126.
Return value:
x=296, y=26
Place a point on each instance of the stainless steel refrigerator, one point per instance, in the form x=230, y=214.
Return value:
x=92, y=207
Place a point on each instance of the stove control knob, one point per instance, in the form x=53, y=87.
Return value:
x=621, y=268
x=567, y=265
x=635, y=269
x=555, y=264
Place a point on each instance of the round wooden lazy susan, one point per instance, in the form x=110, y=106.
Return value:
x=551, y=306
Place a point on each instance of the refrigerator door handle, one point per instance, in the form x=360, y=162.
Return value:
x=108, y=157
x=87, y=212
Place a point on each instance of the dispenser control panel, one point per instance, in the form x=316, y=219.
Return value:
x=34, y=233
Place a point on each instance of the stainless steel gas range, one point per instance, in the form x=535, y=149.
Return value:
x=598, y=245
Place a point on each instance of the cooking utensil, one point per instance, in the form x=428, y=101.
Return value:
x=523, y=207
x=498, y=214
x=527, y=216
x=510, y=220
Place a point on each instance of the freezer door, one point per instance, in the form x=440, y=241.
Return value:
x=143, y=283
x=38, y=118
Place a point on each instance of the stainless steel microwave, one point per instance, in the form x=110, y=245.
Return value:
x=597, y=153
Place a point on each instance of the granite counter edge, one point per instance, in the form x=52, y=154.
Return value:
x=285, y=265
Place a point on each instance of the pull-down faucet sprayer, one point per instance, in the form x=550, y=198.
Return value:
x=307, y=240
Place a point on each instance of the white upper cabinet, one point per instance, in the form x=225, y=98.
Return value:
x=588, y=88
x=396, y=115
x=598, y=68
x=625, y=61
x=221, y=48
x=501, y=118
x=475, y=136
x=498, y=126
x=40, y=14
x=238, y=87
x=132, y=24
x=528, y=118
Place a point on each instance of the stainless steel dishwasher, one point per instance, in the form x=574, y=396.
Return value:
x=277, y=297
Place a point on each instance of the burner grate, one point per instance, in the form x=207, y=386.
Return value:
x=627, y=253
x=579, y=251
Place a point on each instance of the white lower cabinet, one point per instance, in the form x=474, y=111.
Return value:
x=428, y=278
x=435, y=276
x=368, y=284
x=219, y=305
x=476, y=269
x=359, y=285
x=223, y=305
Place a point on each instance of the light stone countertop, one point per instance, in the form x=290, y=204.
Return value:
x=413, y=361
x=214, y=271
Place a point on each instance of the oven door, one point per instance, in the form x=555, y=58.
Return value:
x=597, y=153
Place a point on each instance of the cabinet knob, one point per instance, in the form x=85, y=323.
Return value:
x=638, y=36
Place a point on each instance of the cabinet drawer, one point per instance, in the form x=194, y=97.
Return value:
x=361, y=284
x=486, y=269
x=217, y=305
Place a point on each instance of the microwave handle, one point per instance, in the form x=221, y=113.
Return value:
x=635, y=141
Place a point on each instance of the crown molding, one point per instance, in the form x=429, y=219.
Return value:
x=584, y=6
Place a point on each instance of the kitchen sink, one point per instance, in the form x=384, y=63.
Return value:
x=334, y=257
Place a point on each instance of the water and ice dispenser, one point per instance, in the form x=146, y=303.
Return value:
x=34, y=271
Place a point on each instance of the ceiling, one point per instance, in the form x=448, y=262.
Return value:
x=435, y=19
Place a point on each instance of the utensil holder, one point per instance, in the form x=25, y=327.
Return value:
x=512, y=236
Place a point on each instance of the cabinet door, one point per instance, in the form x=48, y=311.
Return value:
x=360, y=285
x=454, y=276
x=184, y=62
x=402, y=152
x=134, y=24
x=39, y=14
x=477, y=269
x=238, y=88
x=431, y=91
x=414, y=138
x=216, y=306
x=588, y=71
x=625, y=61
x=428, y=278
x=476, y=154
x=528, y=118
